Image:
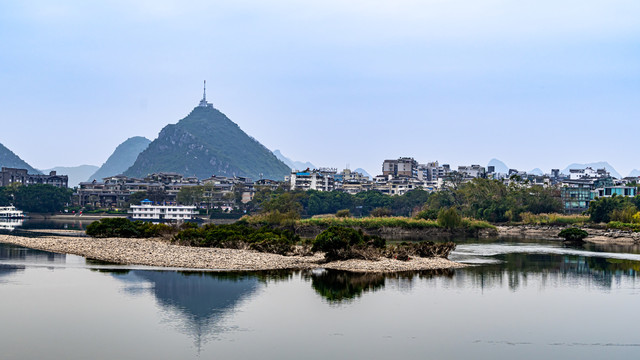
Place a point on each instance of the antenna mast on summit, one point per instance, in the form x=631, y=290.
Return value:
x=203, y=102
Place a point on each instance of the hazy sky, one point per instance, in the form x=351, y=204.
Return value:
x=533, y=83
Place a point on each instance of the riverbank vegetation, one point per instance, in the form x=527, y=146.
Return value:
x=343, y=243
x=573, y=234
x=553, y=219
x=337, y=242
x=40, y=198
x=479, y=199
x=376, y=223
x=124, y=228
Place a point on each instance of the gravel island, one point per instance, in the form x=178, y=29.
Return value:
x=159, y=252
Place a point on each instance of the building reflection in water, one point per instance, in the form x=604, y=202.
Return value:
x=22, y=257
x=566, y=270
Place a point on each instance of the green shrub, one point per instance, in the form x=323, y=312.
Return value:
x=427, y=214
x=341, y=243
x=371, y=223
x=624, y=226
x=449, y=218
x=343, y=213
x=124, y=228
x=336, y=242
x=573, y=234
x=381, y=212
x=240, y=235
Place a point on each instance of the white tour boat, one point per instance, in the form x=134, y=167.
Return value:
x=10, y=212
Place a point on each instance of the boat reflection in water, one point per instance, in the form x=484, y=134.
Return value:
x=10, y=224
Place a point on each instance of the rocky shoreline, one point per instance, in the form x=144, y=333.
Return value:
x=548, y=232
x=159, y=252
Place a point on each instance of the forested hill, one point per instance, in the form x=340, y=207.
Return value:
x=122, y=158
x=206, y=143
x=11, y=160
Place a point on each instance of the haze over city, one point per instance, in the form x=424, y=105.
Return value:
x=534, y=84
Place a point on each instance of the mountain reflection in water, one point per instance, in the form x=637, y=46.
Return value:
x=197, y=302
x=24, y=256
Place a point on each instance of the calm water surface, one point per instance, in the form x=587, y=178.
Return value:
x=524, y=300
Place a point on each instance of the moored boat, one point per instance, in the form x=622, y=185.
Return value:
x=10, y=212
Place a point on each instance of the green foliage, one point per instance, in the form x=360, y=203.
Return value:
x=336, y=241
x=345, y=213
x=369, y=200
x=37, y=198
x=273, y=218
x=606, y=208
x=314, y=202
x=327, y=202
x=449, y=218
x=124, y=228
x=381, y=212
x=240, y=235
x=341, y=243
x=481, y=199
x=284, y=202
x=370, y=222
x=190, y=195
x=493, y=201
x=5, y=197
x=573, y=234
x=427, y=214
x=137, y=197
x=624, y=215
x=474, y=225
x=635, y=227
x=552, y=219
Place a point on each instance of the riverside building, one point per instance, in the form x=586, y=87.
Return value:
x=147, y=211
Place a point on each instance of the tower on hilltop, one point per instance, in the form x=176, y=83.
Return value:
x=203, y=102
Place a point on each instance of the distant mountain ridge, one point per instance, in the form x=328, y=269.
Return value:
x=363, y=172
x=634, y=173
x=76, y=174
x=121, y=159
x=294, y=165
x=594, y=165
x=499, y=166
x=205, y=143
x=9, y=159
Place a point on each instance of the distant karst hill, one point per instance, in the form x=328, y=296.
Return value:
x=294, y=165
x=207, y=143
x=122, y=158
x=11, y=160
x=76, y=174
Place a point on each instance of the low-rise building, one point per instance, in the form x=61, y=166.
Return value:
x=21, y=176
x=318, y=179
x=148, y=211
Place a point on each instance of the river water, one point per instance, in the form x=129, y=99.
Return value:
x=521, y=299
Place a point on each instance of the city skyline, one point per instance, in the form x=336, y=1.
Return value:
x=536, y=85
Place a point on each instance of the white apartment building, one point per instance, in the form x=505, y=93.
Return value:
x=321, y=180
x=169, y=213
